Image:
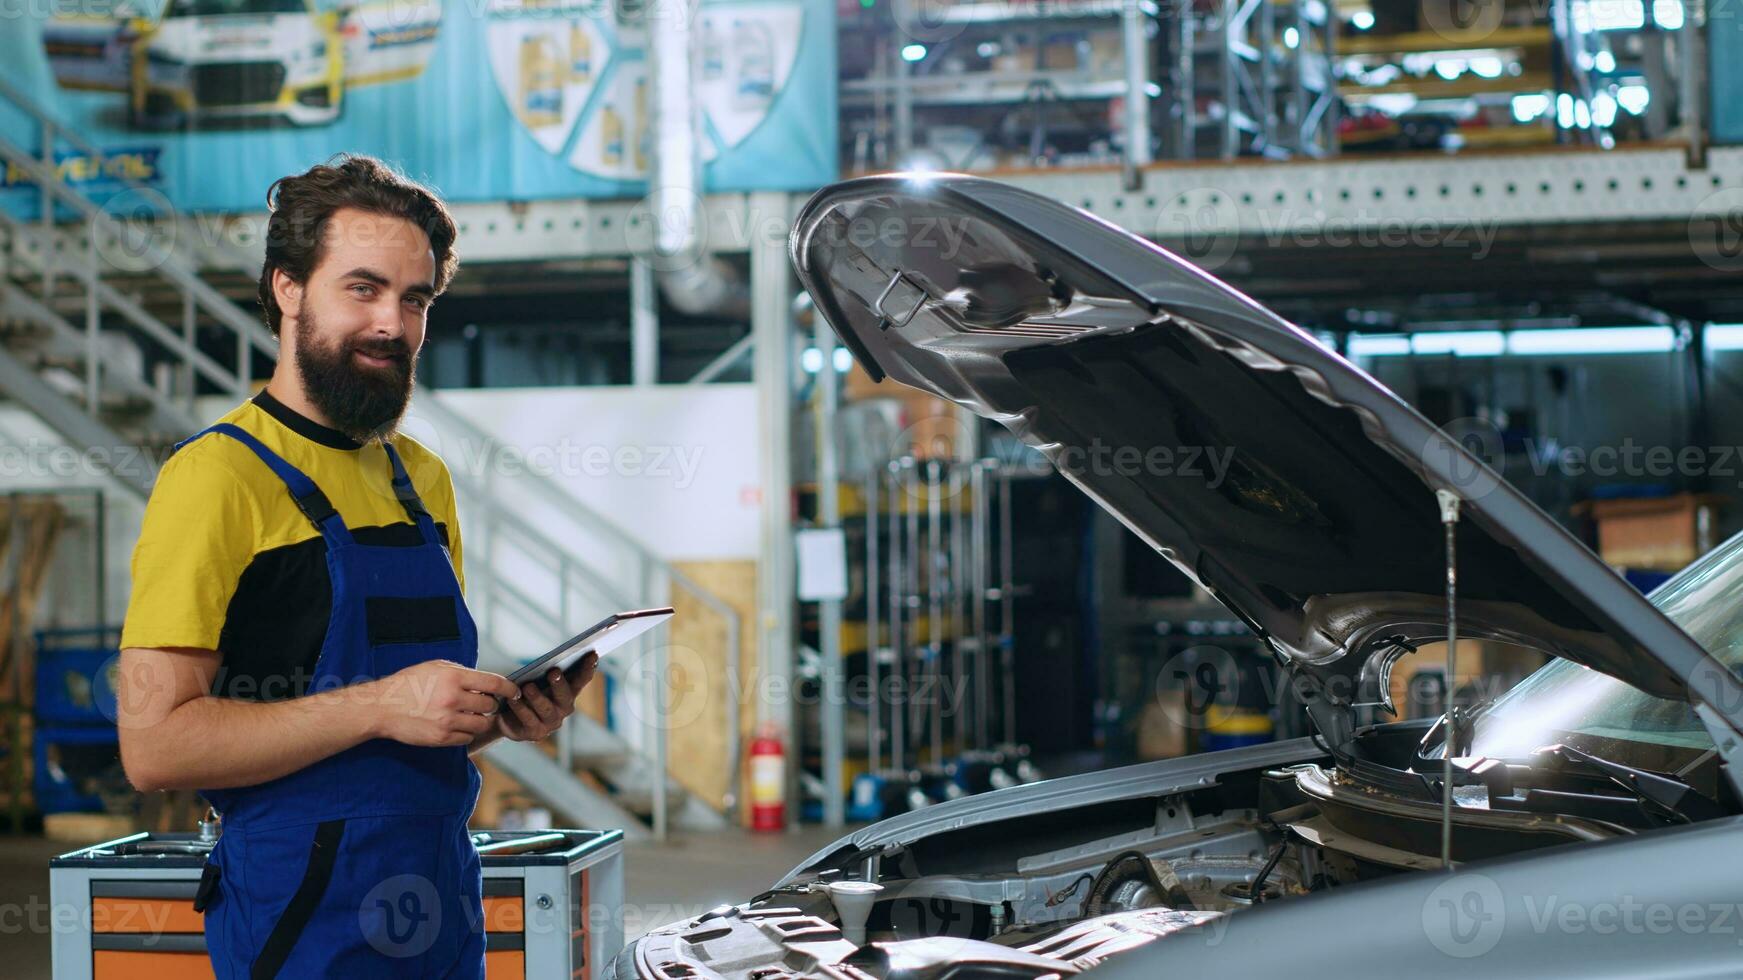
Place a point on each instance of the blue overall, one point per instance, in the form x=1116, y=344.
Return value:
x=361, y=864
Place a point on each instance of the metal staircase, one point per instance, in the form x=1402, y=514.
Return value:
x=81, y=292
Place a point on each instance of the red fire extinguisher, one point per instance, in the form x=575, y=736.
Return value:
x=768, y=780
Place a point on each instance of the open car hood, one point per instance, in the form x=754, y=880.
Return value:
x=1133, y=370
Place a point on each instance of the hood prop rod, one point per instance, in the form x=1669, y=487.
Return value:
x=1449, y=518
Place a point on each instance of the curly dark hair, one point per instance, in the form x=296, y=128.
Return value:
x=302, y=204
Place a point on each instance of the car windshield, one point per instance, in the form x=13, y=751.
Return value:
x=219, y=8
x=1565, y=702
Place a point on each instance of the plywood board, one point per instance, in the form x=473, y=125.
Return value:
x=697, y=708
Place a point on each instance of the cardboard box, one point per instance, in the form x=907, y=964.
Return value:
x=1657, y=533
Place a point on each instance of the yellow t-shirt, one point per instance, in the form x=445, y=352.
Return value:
x=226, y=561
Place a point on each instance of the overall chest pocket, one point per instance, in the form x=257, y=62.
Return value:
x=411, y=629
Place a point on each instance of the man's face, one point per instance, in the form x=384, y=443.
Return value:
x=358, y=323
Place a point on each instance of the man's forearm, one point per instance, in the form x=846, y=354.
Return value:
x=220, y=743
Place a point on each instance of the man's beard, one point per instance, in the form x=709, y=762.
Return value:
x=364, y=403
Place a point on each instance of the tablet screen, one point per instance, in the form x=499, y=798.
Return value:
x=602, y=637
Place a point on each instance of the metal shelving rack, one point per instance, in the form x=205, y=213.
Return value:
x=1260, y=76
x=1212, y=78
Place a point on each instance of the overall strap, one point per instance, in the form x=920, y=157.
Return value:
x=409, y=499
x=308, y=497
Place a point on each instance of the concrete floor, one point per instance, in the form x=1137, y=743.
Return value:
x=686, y=876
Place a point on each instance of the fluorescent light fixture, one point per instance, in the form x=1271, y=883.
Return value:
x=1538, y=343
x=1362, y=20
x=1394, y=103
x=811, y=359
x=1529, y=107
x=1593, y=340
x=1634, y=98
x=914, y=52
x=1379, y=344
x=1460, y=343
x=1725, y=336
x=1668, y=14
x=1618, y=15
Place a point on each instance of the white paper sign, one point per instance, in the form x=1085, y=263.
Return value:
x=822, y=564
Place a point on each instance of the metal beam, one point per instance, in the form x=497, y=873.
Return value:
x=644, y=325
x=772, y=326
x=833, y=710
x=727, y=358
x=570, y=799
x=19, y=381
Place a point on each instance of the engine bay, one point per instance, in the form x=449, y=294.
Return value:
x=1055, y=893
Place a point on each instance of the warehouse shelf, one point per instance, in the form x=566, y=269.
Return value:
x=1219, y=78
x=1026, y=10
x=1489, y=137
x=987, y=88
x=1464, y=86
x=1423, y=42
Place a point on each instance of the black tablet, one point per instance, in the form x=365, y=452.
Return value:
x=602, y=637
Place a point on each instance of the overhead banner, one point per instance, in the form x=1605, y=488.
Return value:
x=209, y=101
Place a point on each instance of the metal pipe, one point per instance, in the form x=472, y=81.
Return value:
x=694, y=281
x=644, y=325
x=189, y=319
x=874, y=733
x=978, y=503
x=654, y=714
x=958, y=605
x=936, y=554
x=833, y=710
x=1449, y=516
x=1132, y=24
x=93, y=324
x=912, y=597
x=898, y=634
x=1007, y=612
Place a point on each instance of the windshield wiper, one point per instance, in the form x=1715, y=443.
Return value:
x=1672, y=796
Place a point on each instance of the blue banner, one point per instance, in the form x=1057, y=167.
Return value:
x=209, y=101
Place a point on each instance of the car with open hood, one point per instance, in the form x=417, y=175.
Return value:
x=1593, y=828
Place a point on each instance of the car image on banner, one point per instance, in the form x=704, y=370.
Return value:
x=240, y=59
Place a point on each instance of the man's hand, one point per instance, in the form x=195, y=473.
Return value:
x=536, y=713
x=437, y=702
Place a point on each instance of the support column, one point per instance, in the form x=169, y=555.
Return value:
x=644, y=325
x=772, y=326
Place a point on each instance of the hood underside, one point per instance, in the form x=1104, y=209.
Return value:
x=1288, y=483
